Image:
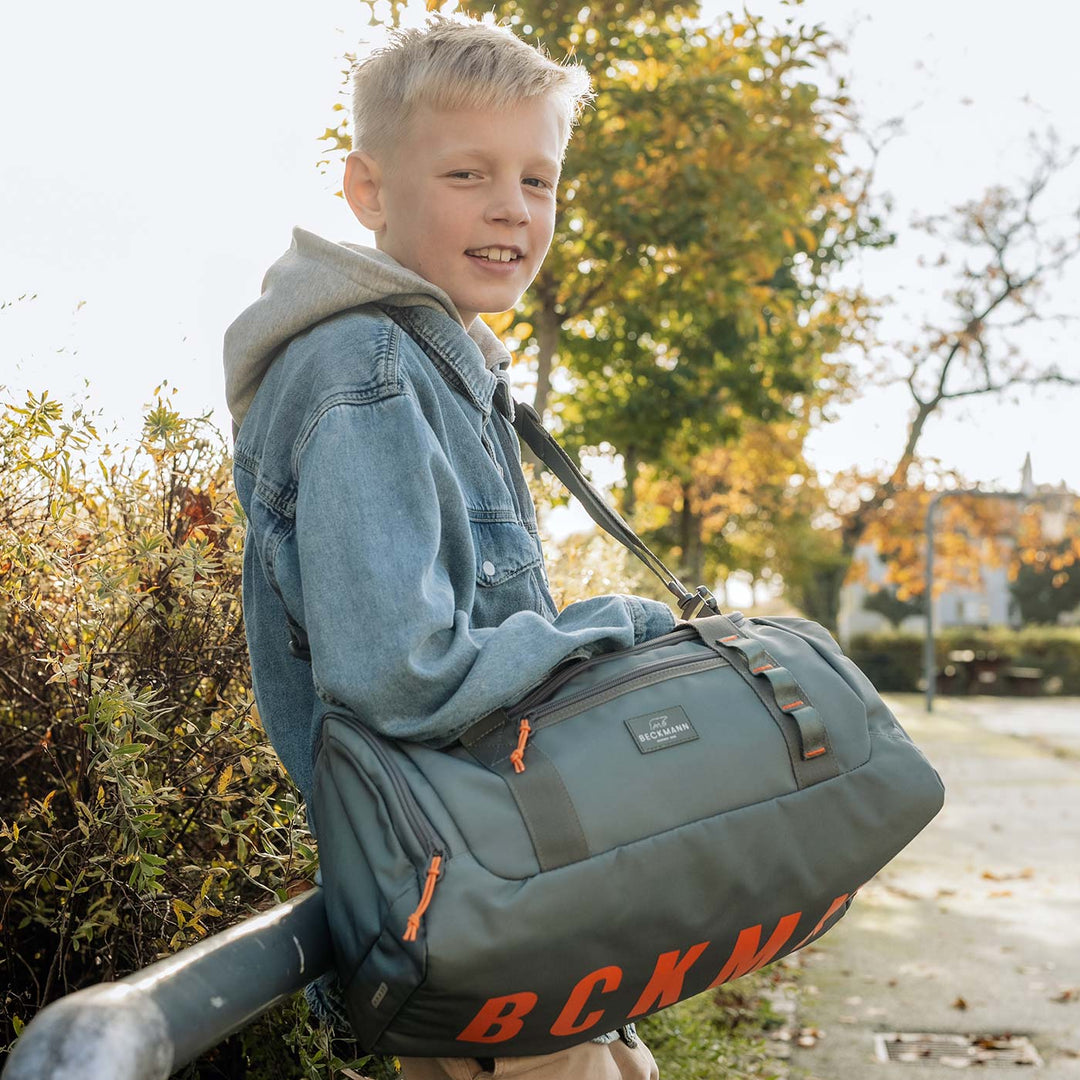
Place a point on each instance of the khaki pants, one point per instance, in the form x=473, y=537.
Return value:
x=589, y=1061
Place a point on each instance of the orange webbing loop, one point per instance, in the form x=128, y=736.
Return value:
x=518, y=756
x=413, y=925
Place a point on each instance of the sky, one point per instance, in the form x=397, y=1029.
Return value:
x=154, y=160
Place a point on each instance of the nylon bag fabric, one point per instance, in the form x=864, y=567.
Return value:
x=669, y=817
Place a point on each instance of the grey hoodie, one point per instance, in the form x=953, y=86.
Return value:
x=313, y=280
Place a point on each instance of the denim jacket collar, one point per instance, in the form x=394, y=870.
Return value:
x=317, y=278
x=458, y=357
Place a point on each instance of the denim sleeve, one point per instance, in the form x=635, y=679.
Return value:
x=651, y=618
x=387, y=574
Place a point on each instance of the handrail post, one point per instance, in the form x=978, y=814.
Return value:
x=154, y=1021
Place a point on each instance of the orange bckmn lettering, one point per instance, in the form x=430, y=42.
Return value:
x=499, y=1018
x=834, y=907
x=746, y=957
x=667, y=979
x=608, y=978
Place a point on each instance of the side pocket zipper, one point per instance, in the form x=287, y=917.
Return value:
x=433, y=844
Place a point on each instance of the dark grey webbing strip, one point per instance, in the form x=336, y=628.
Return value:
x=544, y=803
x=812, y=759
x=547, y=810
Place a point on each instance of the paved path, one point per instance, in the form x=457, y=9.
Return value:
x=975, y=927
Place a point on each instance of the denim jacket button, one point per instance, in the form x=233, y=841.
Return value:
x=488, y=568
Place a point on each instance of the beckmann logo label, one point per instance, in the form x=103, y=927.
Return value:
x=661, y=729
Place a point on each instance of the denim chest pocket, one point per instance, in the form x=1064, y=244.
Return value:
x=504, y=549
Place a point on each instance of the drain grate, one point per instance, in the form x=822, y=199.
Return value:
x=956, y=1051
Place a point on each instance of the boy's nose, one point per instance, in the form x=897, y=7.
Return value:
x=508, y=204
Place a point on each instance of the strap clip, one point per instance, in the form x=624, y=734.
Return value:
x=693, y=604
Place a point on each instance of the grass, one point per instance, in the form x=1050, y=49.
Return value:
x=719, y=1034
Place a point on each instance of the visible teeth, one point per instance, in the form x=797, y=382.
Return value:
x=497, y=254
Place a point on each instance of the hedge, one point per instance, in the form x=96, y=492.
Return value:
x=1035, y=659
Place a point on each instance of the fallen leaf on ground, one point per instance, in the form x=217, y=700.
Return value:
x=1020, y=875
x=1071, y=994
x=960, y=1003
x=1000, y=893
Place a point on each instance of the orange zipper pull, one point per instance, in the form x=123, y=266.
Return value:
x=413, y=925
x=518, y=756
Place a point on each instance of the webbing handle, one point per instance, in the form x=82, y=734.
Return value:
x=719, y=632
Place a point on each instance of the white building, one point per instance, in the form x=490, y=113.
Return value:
x=991, y=604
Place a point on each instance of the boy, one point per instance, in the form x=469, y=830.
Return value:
x=388, y=516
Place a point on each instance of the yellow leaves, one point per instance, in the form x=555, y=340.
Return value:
x=224, y=778
x=500, y=322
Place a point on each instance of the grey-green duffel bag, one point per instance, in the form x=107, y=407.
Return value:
x=644, y=826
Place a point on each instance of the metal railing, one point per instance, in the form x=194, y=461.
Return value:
x=153, y=1022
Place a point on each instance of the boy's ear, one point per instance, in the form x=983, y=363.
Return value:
x=363, y=189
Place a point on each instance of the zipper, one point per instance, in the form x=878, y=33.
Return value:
x=549, y=712
x=555, y=681
x=625, y=684
x=433, y=844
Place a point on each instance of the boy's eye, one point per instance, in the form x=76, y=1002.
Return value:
x=466, y=173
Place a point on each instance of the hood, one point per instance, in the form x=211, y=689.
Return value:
x=313, y=280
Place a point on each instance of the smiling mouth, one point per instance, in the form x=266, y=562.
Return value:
x=495, y=255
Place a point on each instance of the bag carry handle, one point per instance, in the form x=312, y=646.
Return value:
x=543, y=445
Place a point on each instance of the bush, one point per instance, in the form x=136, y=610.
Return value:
x=140, y=805
x=894, y=661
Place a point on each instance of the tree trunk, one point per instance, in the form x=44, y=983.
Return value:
x=548, y=326
x=690, y=539
x=630, y=467
x=821, y=597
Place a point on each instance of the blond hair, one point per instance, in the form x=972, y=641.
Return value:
x=456, y=61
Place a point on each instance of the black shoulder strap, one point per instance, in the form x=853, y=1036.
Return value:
x=543, y=445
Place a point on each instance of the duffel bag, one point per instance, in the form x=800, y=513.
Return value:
x=644, y=826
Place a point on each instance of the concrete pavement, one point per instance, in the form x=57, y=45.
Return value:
x=975, y=927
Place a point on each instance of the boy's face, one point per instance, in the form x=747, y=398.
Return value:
x=459, y=181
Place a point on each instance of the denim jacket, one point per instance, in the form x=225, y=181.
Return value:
x=388, y=517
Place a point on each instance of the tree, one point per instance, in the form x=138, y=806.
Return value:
x=726, y=514
x=886, y=602
x=1045, y=571
x=1005, y=256
x=702, y=210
